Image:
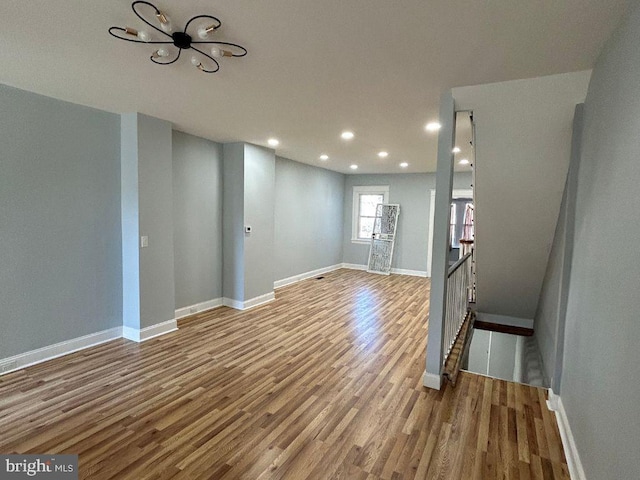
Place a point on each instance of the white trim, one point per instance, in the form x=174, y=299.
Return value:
x=432, y=381
x=198, y=307
x=261, y=300
x=354, y=266
x=505, y=320
x=251, y=303
x=305, y=275
x=56, y=350
x=230, y=302
x=432, y=214
x=355, y=207
x=396, y=271
x=411, y=273
x=147, y=333
x=568, y=441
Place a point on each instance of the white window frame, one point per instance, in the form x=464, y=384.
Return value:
x=357, y=191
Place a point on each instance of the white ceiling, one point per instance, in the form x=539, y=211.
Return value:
x=314, y=68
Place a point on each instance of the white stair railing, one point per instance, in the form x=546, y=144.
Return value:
x=459, y=290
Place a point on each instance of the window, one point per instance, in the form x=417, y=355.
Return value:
x=461, y=221
x=365, y=200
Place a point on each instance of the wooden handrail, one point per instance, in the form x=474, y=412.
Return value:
x=457, y=265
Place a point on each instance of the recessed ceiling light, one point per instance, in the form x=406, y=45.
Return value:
x=464, y=161
x=383, y=154
x=324, y=157
x=456, y=150
x=273, y=142
x=347, y=135
x=354, y=167
x=404, y=164
x=432, y=127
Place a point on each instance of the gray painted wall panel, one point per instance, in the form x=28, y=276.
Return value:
x=601, y=381
x=413, y=193
x=259, y=200
x=197, y=219
x=308, y=218
x=523, y=140
x=233, y=221
x=130, y=226
x=155, y=193
x=60, y=245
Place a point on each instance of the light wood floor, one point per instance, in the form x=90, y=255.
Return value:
x=323, y=383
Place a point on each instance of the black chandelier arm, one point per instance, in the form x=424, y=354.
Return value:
x=120, y=29
x=217, y=25
x=166, y=63
x=133, y=7
x=244, y=50
x=210, y=58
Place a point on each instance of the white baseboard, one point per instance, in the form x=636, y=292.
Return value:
x=50, y=352
x=505, y=320
x=306, y=275
x=354, y=266
x=147, y=333
x=432, y=381
x=568, y=441
x=198, y=307
x=251, y=303
x=411, y=273
x=396, y=271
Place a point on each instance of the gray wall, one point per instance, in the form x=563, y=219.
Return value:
x=549, y=321
x=601, y=380
x=308, y=218
x=233, y=221
x=413, y=193
x=259, y=201
x=60, y=268
x=248, y=200
x=197, y=219
x=523, y=140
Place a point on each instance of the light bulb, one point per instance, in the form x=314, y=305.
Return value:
x=456, y=150
x=144, y=36
x=273, y=142
x=217, y=52
x=383, y=154
x=324, y=157
x=205, y=30
x=432, y=127
x=464, y=161
x=162, y=52
x=165, y=22
x=404, y=165
x=195, y=62
x=354, y=167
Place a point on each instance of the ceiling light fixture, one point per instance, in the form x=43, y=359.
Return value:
x=432, y=127
x=324, y=157
x=347, y=135
x=456, y=150
x=274, y=142
x=354, y=167
x=404, y=165
x=181, y=40
x=464, y=161
x=383, y=154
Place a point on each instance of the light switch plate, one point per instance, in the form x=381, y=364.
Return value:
x=144, y=241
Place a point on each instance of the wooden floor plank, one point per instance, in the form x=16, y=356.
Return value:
x=324, y=382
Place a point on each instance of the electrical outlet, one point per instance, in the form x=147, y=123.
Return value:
x=5, y=367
